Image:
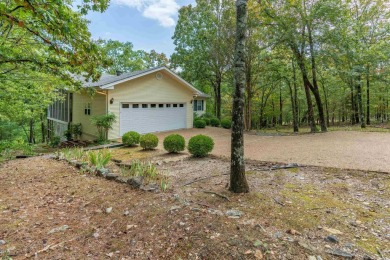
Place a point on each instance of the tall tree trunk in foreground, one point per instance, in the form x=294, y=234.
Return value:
x=238, y=183
x=360, y=101
x=368, y=95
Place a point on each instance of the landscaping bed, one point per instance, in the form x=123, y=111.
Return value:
x=51, y=209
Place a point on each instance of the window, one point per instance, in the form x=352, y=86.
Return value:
x=168, y=105
x=144, y=105
x=87, y=109
x=181, y=105
x=198, y=105
x=160, y=105
x=125, y=105
x=153, y=105
x=135, y=105
x=174, y=105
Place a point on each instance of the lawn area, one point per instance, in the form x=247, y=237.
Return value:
x=49, y=209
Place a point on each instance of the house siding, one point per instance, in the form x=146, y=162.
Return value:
x=98, y=107
x=149, y=89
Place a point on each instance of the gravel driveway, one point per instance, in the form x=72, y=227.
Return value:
x=341, y=149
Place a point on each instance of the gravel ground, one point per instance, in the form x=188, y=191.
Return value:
x=347, y=150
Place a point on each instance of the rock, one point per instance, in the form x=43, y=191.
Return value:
x=278, y=235
x=332, y=239
x=333, y=231
x=150, y=187
x=130, y=227
x=111, y=176
x=312, y=257
x=2, y=242
x=257, y=243
x=306, y=246
x=175, y=207
x=121, y=179
x=96, y=235
x=293, y=232
x=182, y=224
x=233, y=213
x=338, y=252
x=58, y=229
x=126, y=213
x=215, y=212
x=319, y=257
x=258, y=254
x=102, y=172
x=135, y=182
x=109, y=210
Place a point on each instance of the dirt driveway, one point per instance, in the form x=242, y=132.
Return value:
x=341, y=149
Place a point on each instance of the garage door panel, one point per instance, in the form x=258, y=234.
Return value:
x=147, y=120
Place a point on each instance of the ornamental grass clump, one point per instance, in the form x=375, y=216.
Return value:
x=174, y=143
x=200, y=145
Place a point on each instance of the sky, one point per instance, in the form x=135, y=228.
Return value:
x=148, y=24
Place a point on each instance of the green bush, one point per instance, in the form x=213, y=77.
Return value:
x=200, y=145
x=207, y=120
x=68, y=135
x=207, y=115
x=55, y=141
x=174, y=143
x=226, y=123
x=200, y=123
x=148, y=141
x=214, y=122
x=131, y=138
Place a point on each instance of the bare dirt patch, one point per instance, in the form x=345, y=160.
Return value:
x=342, y=149
x=48, y=207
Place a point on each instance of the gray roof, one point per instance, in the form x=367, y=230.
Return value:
x=106, y=79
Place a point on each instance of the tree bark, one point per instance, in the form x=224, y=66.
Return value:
x=280, y=106
x=360, y=102
x=238, y=182
x=368, y=95
x=31, y=132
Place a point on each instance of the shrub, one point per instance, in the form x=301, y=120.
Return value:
x=207, y=120
x=200, y=123
x=149, y=141
x=214, y=122
x=174, y=143
x=200, y=145
x=55, y=141
x=68, y=135
x=103, y=123
x=131, y=138
x=226, y=123
x=207, y=115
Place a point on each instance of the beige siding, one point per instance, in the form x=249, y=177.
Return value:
x=98, y=107
x=149, y=89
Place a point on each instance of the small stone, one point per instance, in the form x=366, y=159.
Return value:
x=328, y=246
x=2, y=242
x=126, y=213
x=293, y=232
x=233, y=213
x=333, y=231
x=109, y=210
x=312, y=257
x=110, y=254
x=58, y=229
x=182, y=224
x=175, y=207
x=215, y=212
x=338, y=252
x=150, y=187
x=248, y=252
x=258, y=254
x=96, y=235
x=102, y=172
x=332, y=239
x=128, y=227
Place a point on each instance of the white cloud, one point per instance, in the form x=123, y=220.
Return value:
x=161, y=10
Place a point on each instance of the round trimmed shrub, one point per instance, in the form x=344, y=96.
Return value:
x=131, y=138
x=214, y=122
x=207, y=120
x=200, y=123
x=200, y=145
x=174, y=143
x=148, y=141
x=226, y=123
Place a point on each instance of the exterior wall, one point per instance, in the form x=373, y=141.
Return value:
x=149, y=89
x=58, y=128
x=98, y=107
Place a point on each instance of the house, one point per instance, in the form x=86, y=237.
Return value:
x=146, y=101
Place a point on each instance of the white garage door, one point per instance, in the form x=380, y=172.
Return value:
x=148, y=118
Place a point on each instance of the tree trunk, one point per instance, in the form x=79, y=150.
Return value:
x=368, y=95
x=31, y=132
x=238, y=182
x=326, y=104
x=360, y=102
x=353, y=118
x=314, y=87
x=249, y=97
x=293, y=108
x=217, y=93
x=280, y=106
x=43, y=128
